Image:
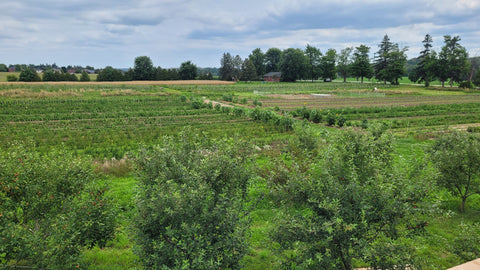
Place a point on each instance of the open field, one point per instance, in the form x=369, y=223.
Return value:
x=110, y=120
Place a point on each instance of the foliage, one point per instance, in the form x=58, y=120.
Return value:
x=29, y=75
x=390, y=64
x=84, y=77
x=314, y=57
x=257, y=57
x=110, y=74
x=329, y=70
x=43, y=219
x=344, y=62
x=467, y=244
x=143, y=69
x=230, y=67
x=348, y=206
x=191, y=203
x=424, y=71
x=248, y=71
x=12, y=78
x=454, y=57
x=273, y=60
x=294, y=65
x=361, y=63
x=456, y=156
x=188, y=71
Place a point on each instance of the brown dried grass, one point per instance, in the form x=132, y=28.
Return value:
x=179, y=82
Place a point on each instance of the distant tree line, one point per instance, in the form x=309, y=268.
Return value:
x=388, y=64
x=143, y=70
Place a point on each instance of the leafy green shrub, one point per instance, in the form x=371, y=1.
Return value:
x=41, y=195
x=340, y=121
x=467, y=245
x=473, y=129
x=12, y=78
x=466, y=84
x=183, y=98
x=238, y=111
x=226, y=110
x=331, y=119
x=315, y=116
x=218, y=107
x=228, y=97
x=257, y=102
x=197, y=103
x=244, y=101
x=190, y=203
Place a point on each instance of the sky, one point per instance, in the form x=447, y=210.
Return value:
x=103, y=33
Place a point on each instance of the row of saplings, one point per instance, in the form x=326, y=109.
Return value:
x=346, y=201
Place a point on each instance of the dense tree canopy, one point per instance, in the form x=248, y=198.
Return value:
x=361, y=63
x=29, y=75
x=188, y=71
x=293, y=65
x=273, y=60
x=143, y=69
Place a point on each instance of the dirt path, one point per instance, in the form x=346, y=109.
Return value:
x=206, y=101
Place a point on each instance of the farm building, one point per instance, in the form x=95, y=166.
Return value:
x=272, y=77
x=11, y=69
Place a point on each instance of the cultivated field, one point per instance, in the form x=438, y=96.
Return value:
x=108, y=122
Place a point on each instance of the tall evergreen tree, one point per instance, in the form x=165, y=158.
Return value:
x=226, y=67
x=361, y=63
x=423, y=71
x=248, y=71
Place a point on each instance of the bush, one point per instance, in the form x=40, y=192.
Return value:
x=237, y=111
x=340, y=121
x=315, y=116
x=244, y=101
x=12, y=78
x=257, y=102
x=331, y=119
x=190, y=203
x=43, y=221
x=29, y=75
x=466, y=84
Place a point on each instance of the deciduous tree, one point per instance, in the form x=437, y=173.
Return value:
x=344, y=62
x=273, y=60
x=143, y=69
x=314, y=57
x=329, y=70
x=188, y=71
x=294, y=65
x=257, y=57
x=456, y=156
x=190, y=203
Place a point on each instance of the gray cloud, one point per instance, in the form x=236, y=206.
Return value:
x=111, y=32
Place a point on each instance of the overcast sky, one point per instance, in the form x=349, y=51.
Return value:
x=113, y=32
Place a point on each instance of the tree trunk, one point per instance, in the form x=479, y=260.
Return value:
x=462, y=206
